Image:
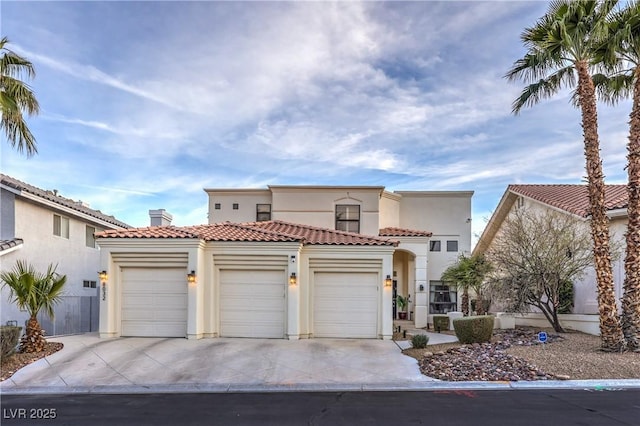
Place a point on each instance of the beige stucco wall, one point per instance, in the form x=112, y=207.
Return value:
x=206, y=258
x=389, y=210
x=447, y=215
x=316, y=206
x=246, y=200
x=313, y=206
x=34, y=224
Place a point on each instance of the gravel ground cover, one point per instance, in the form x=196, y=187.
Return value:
x=515, y=355
x=12, y=363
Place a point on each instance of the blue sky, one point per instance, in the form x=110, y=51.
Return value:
x=144, y=104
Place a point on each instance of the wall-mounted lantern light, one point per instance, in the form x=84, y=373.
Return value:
x=191, y=277
x=388, y=281
x=421, y=287
x=293, y=280
x=102, y=275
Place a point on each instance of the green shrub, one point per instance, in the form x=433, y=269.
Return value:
x=419, y=341
x=565, y=294
x=477, y=329
x=440, y=322
x=9, y=336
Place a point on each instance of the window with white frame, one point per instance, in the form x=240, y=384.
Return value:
x=89, y=284
x=348, y=217
x=60, y=226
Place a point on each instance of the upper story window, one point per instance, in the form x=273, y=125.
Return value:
x=452, y=245
x=263, y=212
x=88, y=284
x=216, y=206
x=60, y=226
x=235, y=206
x=348, y=217
x=90, y=238
x=434, y=245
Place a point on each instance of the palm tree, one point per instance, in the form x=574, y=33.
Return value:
x=33, y=291
x=621, y=53
x=466, y=274
x=560, y=50
x=16, y=97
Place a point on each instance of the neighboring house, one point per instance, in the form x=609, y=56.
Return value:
x=42, y=228
x=571, y=200
x=348, y=249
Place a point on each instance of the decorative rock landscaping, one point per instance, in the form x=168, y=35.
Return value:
x=487, y=361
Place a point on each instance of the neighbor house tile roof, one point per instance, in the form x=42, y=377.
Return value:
x=572, y=198
x=7, y=244
x=55, y=198
x=400, y=232
x=269, y=231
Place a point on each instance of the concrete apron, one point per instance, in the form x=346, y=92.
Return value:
x=88, y=362
x=151, y=365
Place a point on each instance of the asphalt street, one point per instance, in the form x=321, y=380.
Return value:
x=562, y=407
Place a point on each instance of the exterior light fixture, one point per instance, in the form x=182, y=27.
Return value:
x=293, y=280
x=191, y=277
x=388, y=281
x=103, y=282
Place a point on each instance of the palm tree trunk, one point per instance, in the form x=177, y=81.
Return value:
x=611, y=335
x=631, y=296
x=465, y=302
x=33, y=339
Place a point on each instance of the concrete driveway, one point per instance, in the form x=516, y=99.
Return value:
x=90, y=363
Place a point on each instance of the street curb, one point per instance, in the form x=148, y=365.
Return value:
x=595, y=385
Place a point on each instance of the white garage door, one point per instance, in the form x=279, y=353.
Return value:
x=154, y=302
x=345, y=305
x=252, y=303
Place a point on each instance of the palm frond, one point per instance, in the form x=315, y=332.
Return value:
x=544, y=88
x=31, y=290
x=612, y=89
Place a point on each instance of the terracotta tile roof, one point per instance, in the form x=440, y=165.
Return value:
x=400, y=232
x=572, y=198
x=315, y=235
x=54, y=197
x=238, y=232
x=271, y=231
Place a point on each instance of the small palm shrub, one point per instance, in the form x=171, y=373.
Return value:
x=419, y=341
x=9, y=337
x=476, y=329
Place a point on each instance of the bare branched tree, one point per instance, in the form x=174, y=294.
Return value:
x=534, y=256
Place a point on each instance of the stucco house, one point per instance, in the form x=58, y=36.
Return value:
x=571, y=200
x=43, y=227
x=287, y=262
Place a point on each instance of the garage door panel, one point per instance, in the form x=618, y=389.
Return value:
x=345, y=304
x=168, y=301
x=154, y=302
x=252, y=303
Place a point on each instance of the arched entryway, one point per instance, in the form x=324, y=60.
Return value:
x=404, y=277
